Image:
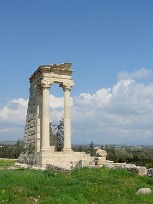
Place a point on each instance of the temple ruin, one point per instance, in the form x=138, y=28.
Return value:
x=38, y=131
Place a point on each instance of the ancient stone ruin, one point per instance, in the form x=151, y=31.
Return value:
x=39, y=140
x=38, y=131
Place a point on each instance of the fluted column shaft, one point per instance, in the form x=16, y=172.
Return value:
x=45, y=118
x=39, y=108
x=67, y=124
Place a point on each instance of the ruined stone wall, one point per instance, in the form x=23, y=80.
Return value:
x=31, y=119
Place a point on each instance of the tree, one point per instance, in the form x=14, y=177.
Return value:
x=122, y=155
x=58, y=131
x=91, y=149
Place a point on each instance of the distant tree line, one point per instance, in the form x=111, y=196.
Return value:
x=11, y=151
x=140, y=156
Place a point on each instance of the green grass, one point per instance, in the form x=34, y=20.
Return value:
x=6, y=162
x=83, y=186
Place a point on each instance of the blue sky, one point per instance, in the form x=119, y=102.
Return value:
x=107, y=42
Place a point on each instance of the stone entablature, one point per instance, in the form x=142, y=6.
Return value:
x=56, y=73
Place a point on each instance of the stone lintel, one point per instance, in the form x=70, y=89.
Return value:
x=65, y=67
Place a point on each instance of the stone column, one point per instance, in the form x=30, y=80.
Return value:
x=39, y=107
x=67, y=124
x=52, y=137
x=45, y=117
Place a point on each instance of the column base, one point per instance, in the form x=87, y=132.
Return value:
x=67, y=150
x=45, y=149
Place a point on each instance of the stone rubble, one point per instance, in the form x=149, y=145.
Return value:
x=144, y=191
x=140, y=170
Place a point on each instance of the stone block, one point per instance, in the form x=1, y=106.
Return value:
x=101, y=161
x=101, y=152
x=144, y=191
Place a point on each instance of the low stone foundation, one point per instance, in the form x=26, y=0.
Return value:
x=66, y=160
x=63, y=159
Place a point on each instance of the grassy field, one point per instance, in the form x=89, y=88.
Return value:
x=86, y=185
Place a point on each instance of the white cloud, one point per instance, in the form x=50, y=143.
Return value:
x=20, y=101
x=120, y=114
x=138, y=74
x=124, y=114
x=14, y=111
x=57, y=102
x=87, y=101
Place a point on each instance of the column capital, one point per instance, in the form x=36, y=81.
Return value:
x=66, y=88
x=67, y=85
x=45, y=84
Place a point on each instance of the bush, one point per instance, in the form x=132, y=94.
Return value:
x=11, y=151
x=140, y=157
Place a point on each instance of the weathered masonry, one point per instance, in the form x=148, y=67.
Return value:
x=38, y=129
